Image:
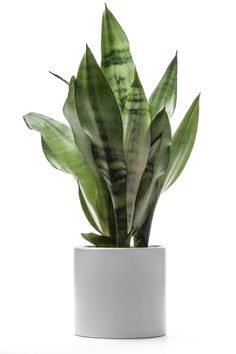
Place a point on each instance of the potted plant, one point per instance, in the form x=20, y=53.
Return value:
x=120, y=149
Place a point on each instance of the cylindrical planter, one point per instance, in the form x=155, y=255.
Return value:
x=119, y=292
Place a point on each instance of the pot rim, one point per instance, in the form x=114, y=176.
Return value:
x=126, y=249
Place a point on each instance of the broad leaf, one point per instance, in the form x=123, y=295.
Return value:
x=157, y=165
x=136, y=125
x=61, y=151
x=117, y=63
x=98, y=240
x=100, y=118
x=165, y=94
x=83, y=143
x=182, y=144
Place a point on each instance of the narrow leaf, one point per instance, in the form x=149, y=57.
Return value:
x=82, y=140
x=59, y=77
x=100, y=118
x=98, y=240
x=157, y=165
x=182, y=144
x=117, y=63
x=136, y=125
x=165, y=94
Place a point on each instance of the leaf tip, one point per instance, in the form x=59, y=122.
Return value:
x=26, y=118
x=59, y=77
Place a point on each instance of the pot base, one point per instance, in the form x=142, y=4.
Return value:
x=119, y=292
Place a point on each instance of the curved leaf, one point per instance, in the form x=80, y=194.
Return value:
x=61, y=151
x=117, y=63
x=136, y=125
x=182, y=144
x=59, y=77
x=98, y=240
x=165, y=94
x=100, y=118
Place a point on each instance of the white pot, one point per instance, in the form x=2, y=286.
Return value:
x=119, y=292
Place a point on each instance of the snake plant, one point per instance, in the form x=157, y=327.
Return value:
x=118, y=144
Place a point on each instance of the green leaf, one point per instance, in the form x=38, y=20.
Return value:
x=136, y=125
x=86, y=210
x=182, y=144
x=60, y=150
x=141, y=236
x=100, y=118
x=117, y=63
x=83, y=142
x=165, y=94
x=98, y=240
x=157, y=165
x=59, y=77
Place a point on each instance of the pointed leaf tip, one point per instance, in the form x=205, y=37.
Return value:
x=59, y=77
x=136, y=80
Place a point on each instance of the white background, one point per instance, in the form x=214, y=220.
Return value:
x=41, y=219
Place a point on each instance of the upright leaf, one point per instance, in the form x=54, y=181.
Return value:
x=61, y=151
x=182, y=144
x=117, y=63
x=100, y=118
x=136, y=125
x=83, y=143
x=142, y=235
x=165, y=94
x=86, y=210
x=157, y=164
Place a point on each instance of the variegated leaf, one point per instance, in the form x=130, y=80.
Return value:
x=117, y=63
x=83, y=143
x=100, y=118
x=165, y=94
x=182, y=144
x=136, y=126
x=156, y=167
x=60, y=150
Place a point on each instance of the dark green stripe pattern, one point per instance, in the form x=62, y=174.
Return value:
x=101, y=120
x=150, y=186
x=117, y=63
x=136, y=126
x=165, y=94
x=83, y=142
